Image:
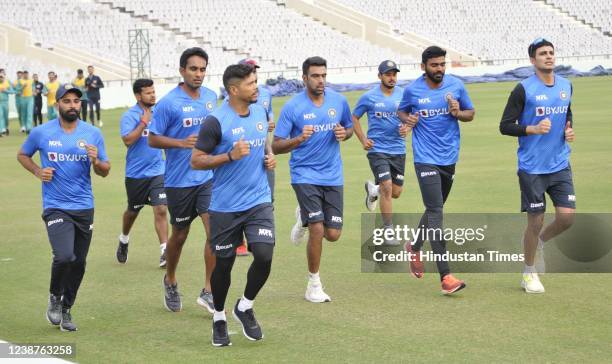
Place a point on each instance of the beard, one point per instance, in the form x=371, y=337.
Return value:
x=70, y=115
x=435, y=77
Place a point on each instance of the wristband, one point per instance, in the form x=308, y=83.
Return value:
x=229, y=155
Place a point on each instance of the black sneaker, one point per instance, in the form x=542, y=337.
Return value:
x=250, y=326
x=172, y=298
x=162, y=259
x=66, y=324
x=122, y=253
x=206, y=300
x=220, y=337
x=54, y=310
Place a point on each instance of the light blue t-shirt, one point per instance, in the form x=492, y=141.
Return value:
x=436, y=137
x=383, y=121
x=240, y=184
x=546, y=153
x=141, y=160
x=317, y=161
x=178, y=116
x=70, y=187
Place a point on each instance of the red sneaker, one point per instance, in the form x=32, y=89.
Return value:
x=241, y=251
x=451, y=284
x=417, y=269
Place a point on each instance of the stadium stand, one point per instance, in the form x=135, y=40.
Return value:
x=489, y=31
x=280, y=38
x=262, y=29
x=595, y=12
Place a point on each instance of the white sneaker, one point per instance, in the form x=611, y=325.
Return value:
x=314, y=293
x=371, y=196
x=100, y=123
x=531, y=283
x=23, y=130
x=298, y=232
x=540, y=264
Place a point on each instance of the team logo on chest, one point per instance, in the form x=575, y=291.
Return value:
x=331, y=113
x=259, y=126
x=82, y=143
x=563, y=95
x=209, y=106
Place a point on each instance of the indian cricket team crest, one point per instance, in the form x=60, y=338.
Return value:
x=449, y=96
x=563, y=95
x=68, y=86
x=209, y=106
x=260, y=126
x=331, y=113
x=82, y=143
x=390, y=64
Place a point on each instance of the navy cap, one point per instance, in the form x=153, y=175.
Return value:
x=64, y=89
x=387, y=66
x=249, y=62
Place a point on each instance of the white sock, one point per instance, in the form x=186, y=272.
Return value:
x=162, y=247
x=529, y=269
x=219, y=316
x=540, y=243
x=314, y=277
x=245, y=304
x=124, y=239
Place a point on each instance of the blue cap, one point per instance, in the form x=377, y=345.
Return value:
x=387, y=66
x=64, y=89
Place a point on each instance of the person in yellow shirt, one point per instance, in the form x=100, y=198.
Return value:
x=17, y=89
x=5, y=89
x=79, y=82
x=27, y=102
x=49, y=91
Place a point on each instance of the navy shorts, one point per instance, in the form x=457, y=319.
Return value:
x=145, y=191
x=558, y=185
x=388, y=166
x=228, y=228
x=69, y=232
x=320, y=204
x=187, y=203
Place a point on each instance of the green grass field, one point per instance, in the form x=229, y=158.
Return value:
x=373, y=317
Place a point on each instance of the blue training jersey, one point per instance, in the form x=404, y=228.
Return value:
x=436, y=137
x=317, y=161
x=141, y=160
x=546, y=153
x=241, y=184
x=383, y=121
x=70, y=187
x=178, y=116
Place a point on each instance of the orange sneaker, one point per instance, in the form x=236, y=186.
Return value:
x=242, y=251
x=451, y=284
x=417, y=268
